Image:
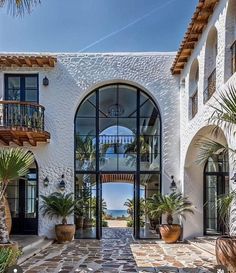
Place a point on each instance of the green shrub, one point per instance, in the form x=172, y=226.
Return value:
x=8, y=257
x=104, y=223
x=130, y=223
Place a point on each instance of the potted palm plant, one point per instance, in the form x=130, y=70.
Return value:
x=14, y=163
x=60, y=205
x=170, y=205
x=223, y=117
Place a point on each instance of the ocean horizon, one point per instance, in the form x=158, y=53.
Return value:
x=117, y=212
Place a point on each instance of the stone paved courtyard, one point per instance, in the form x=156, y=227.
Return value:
x=120, y=255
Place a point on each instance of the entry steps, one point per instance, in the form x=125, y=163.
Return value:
x=206, y=243
x=30, y=245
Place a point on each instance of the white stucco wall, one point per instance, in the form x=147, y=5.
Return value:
x=74, y=76
x=191, y=174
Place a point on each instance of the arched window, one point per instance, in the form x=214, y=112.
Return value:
x=216, y=183
x=117, y=138
x=230, y=40
x=210, y=64
x=193, y=89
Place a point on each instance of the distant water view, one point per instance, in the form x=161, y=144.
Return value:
x=117, y=213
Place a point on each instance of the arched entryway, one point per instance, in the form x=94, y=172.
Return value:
x=203, y=183
x=117, y=140
x=22, y=195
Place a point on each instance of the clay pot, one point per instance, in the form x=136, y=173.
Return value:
x=79, y=222
x=226, y=252
x=8, y=215
x=64, y=233
x=170, y=233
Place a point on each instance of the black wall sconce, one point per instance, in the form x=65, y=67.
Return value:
x=233, y=178
x=46, y=181
x=45, y=81
x=173, y=186
x=62, y=183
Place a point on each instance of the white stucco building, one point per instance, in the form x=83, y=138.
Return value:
x=98, y=118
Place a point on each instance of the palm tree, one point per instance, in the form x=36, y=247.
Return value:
x=58, y=205
x=173, y=204
x=14, y=163
x=19, y=7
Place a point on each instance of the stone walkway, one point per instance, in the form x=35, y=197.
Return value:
x=120, y=255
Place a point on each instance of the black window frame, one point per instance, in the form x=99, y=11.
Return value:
x=22, y=85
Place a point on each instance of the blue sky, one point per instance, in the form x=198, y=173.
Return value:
x=119, y=25
x=99, y=26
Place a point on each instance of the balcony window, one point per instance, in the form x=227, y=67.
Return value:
x=233, y=58
x=21, y=87
x=211, y=86
x=194, y=103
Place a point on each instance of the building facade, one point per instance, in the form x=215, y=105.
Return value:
x=97, y=118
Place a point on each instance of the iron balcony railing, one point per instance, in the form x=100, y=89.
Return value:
x=194, y=102
x=233, y=58
x=211, y=86
x=25, y=115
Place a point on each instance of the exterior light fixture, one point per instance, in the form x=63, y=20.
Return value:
x=62, y=184
x=45, y=181
x=45, y=81
x=173, y=186
x=234, y=178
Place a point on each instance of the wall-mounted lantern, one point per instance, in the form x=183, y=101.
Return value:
x=46, y=181
x=173, y=186
x=45, y=81
x=62, y=183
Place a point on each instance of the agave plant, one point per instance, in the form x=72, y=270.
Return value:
x=173, y=204
x=58, y=205
x=14, y=163
x=19, y=7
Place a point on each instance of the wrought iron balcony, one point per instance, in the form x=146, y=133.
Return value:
x=211, y=86
x=22, y=121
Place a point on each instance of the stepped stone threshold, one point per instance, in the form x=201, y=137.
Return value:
x=122, y=254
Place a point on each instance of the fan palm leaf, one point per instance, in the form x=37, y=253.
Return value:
x=19, y=7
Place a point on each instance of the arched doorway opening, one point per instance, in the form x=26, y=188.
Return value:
x=216, y=183
x=117, y=139
x=22, y=195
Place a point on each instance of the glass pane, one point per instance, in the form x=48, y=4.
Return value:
x=150, y=185
x=31, y=95
x=149, y=162
x=85, y=212
x=108, y=104
x=127, y=126
x=127, y=99
x=150, y=126
x=14, y=82
x=86, y=126
x=108, y=162
x=149, y=144
x=13, y=198
x=31, y=82
x=88, y=107
x=85, y=161
x=127, y=162
x=147, y=107
x=13, y=94
x=30, y=199
x=108, y=126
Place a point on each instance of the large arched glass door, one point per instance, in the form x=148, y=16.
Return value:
x=216, y=183
x=117, y=132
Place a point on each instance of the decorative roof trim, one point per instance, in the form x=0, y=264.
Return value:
x=18, y=60
x=204, y=10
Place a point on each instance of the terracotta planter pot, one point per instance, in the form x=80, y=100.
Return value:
x=79, y=222
x=226, y=252
x=64, y=233
x=8, y=215
x=170, y=233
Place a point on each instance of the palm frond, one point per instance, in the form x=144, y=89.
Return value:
x=19, y=7
x=209, y=148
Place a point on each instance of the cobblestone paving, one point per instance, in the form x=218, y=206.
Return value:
x=120, y=255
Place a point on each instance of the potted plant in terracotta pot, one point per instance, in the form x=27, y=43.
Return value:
x=169, y=205
x=60, y=205
x=226, y=244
